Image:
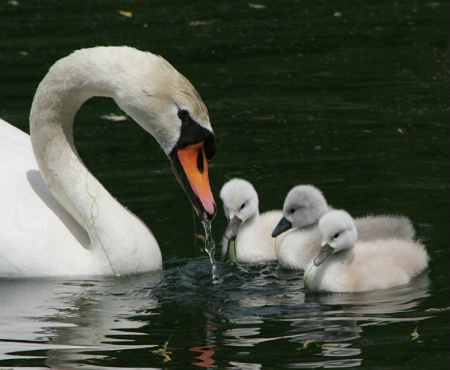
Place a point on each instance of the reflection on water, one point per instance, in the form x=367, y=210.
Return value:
x=329, y=322
x=71, y=324
x=64, y=322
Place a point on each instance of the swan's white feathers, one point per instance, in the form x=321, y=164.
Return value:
x=149, y=87
x=79, y=228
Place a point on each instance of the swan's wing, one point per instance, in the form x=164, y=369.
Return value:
x=34, y=229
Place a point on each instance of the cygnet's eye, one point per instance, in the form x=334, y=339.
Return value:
x=336, y=236
x=243, y=206
x=184, y=116
x=292, y=210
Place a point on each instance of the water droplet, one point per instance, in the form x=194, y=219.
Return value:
x=210, y=246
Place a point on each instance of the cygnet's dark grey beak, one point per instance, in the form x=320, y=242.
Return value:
x=283, y=225
x=324, y=253
x=233, y=227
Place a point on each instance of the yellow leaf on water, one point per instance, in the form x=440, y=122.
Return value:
x=88, y=303
x=307, y=343
x=433, y=309
x=164, y=352
x=415, y=334
x=256, y=6
x=331, y=345
x=202, y=23
x=114, y=117
x=126, y=13
x=201, y=237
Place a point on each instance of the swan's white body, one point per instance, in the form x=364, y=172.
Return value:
x=55, y=217
x=247, y=238
x=347, y=265
x=305, y=205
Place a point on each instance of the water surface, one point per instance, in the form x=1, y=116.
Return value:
x=349, y=96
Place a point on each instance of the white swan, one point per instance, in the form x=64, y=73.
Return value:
x=55, y=217
x=247, y=237
x=304, y=206
x=347, y=265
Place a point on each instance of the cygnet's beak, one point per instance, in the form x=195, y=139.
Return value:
x=282, y=226
x=232, y=228
x=324, y=253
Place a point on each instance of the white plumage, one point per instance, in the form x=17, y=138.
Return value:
x=247, y=238
x=55, y=217
x=347, y=265
x=304, y=206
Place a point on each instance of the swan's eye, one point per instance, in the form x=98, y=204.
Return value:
x=243, y=206
x=336, y=236
x=292, y=210
x=184, y=116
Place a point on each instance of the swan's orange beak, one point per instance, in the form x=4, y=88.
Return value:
x=190, y=166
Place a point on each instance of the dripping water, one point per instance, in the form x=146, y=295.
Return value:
x=210, y=246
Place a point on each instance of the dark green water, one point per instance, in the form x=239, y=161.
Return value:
x=349, y=96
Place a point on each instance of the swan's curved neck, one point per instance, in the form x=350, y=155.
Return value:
x=69, y=83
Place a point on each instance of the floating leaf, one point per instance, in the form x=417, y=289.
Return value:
x=88, y=303
x=114, y=117
x=164, y=352
x=331, y=345
x=202, y=23
x=201, y=237
x=433, y=4
x=126, y=13
x=307, y=343
x=433, y=309
x=415, y=334
x=256, y=6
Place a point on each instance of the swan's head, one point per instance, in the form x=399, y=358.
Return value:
x=338, y=232
x=167, y=106
x=240, y=203
x=304, y=206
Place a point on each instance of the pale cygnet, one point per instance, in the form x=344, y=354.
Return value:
x=247, y=237
x=346, y=264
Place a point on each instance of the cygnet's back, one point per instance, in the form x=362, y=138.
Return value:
x=384, y=226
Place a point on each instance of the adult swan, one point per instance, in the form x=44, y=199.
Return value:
x=55, y=216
